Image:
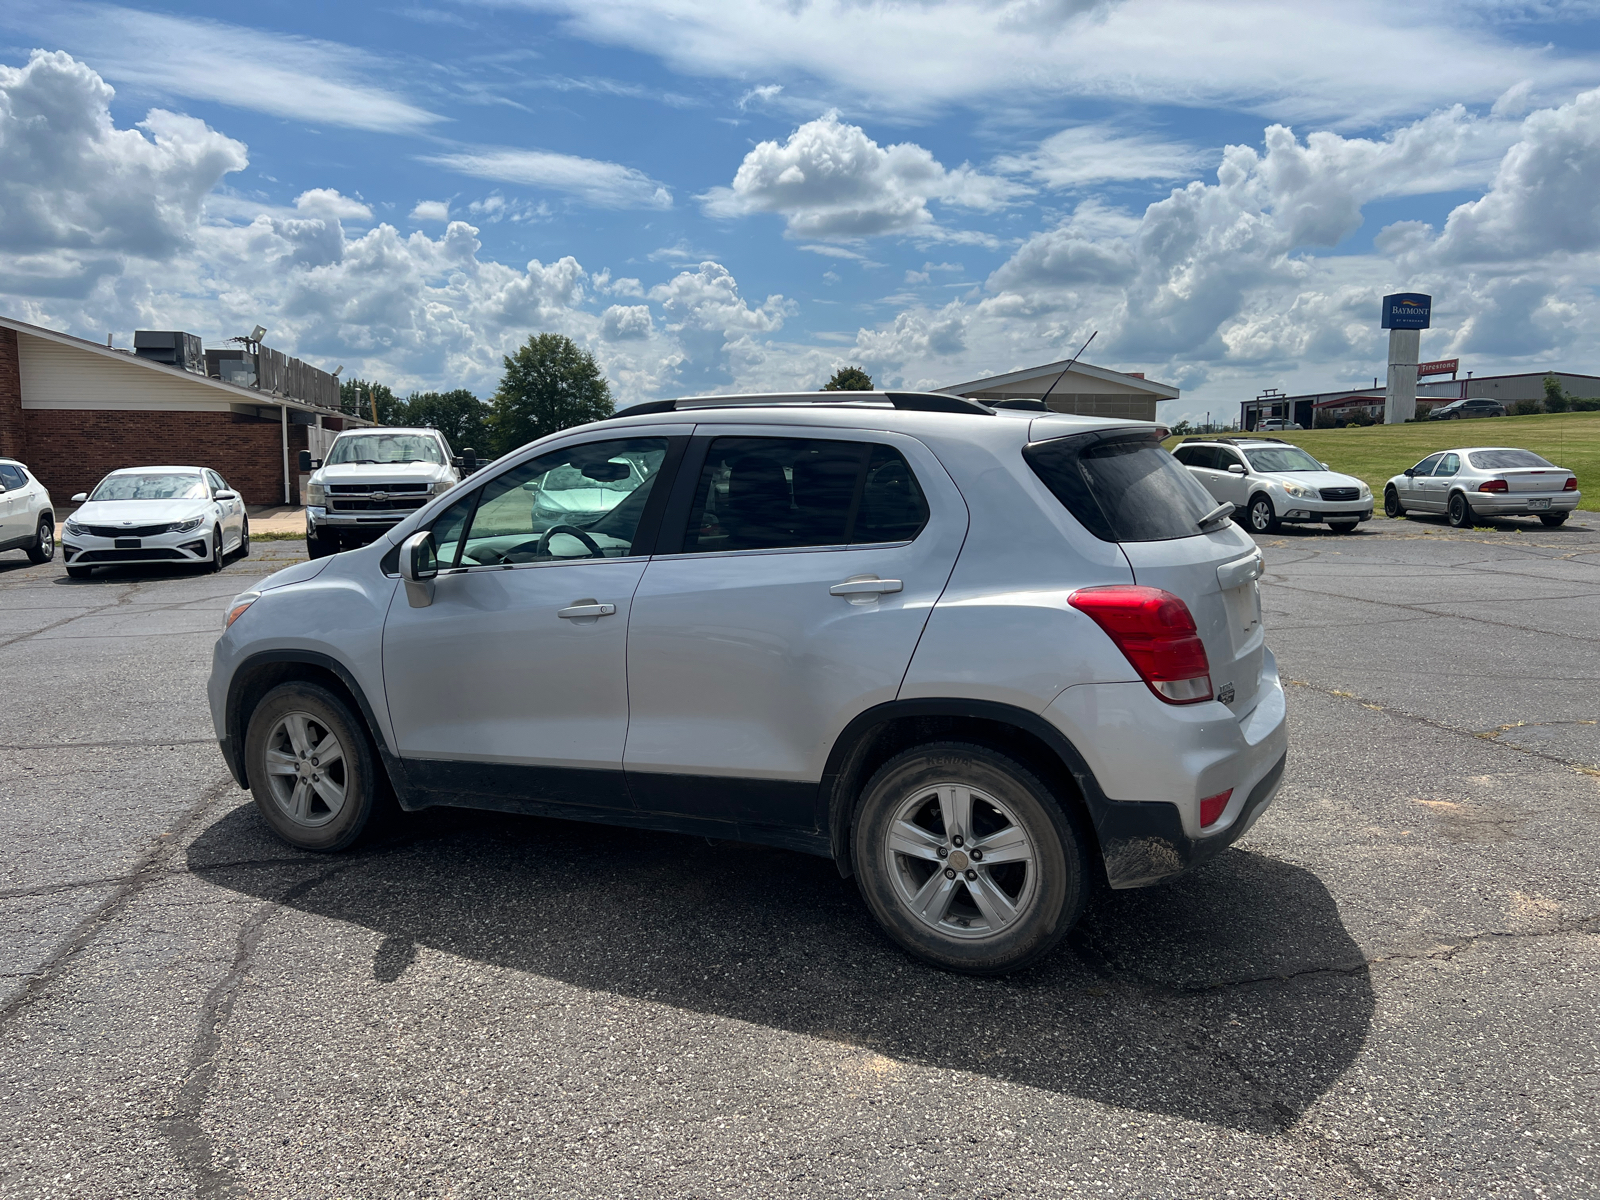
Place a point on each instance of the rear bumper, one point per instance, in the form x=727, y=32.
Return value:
x=1153, y=762
x=1492, y=504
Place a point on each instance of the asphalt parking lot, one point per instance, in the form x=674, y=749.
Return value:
x=1391, y=987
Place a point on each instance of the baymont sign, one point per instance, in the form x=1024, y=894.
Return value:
x=1407, y=310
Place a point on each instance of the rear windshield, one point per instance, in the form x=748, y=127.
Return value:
x=1122, y=486
x=1501, y=460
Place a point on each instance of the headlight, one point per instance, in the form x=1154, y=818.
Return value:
x=1365, y=493
x=1298, y=490
x=74, y=527
x=236, y=607
x=316, y=494
x=187, y=526
x=443, y=486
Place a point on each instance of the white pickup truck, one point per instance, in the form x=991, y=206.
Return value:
x=372, y=480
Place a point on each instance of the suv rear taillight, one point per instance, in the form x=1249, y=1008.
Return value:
x=1494, y=485
x=1571, y=485
x=1154, y=630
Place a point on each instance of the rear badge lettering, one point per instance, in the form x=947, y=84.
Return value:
x=1226, y=693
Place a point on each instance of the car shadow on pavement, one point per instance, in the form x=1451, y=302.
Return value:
x=1233, y=996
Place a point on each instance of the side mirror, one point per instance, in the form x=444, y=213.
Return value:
x=1410, y=471
x=469, y=460
x=1235, y=469
x=227, y=495
x=419, y=566
x=80, y=497
x=1326, y=467
x=305, y=460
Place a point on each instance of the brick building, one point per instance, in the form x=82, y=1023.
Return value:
x=73, y=410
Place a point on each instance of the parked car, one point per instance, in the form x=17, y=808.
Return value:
x=27, y=518
x=1476, y=406
x=1271, y=483
x=372, y=480
x=155, y=515
x=973, y=656
x=1276, y=425
x=1483, y=481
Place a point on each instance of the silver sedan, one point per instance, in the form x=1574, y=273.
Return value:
x=1483, y=481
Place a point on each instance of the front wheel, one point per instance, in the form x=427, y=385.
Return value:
x=244, y=539
x=1392, y=508
x=79, y=572
x=321, y=547
x=966, y=859
x=215, y=564
x=44, y=541
x=1551, y=520
x=310, y=766
x=1261, y=518
x=1460, y=512
x=1343, y=526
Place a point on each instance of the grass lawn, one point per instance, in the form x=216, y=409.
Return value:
x=1376, y=452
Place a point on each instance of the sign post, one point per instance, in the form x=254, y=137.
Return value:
x=1405, y=316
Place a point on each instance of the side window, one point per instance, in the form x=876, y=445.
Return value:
x=893, y=508
x=215, y=481
x=582, y=501
x=11, y=478
x=771, y=493
x=1426, y=466
x=1450, y=465
x=1189, y=456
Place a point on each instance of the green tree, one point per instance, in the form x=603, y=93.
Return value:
x=458, y=414
x=550, y=384
x=1555, y=396
x=849, y=379
x=357, y=395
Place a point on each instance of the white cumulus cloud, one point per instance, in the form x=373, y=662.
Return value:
x=430, y=210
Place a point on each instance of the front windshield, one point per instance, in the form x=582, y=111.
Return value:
x=386, y=448
x=1282, y=458
x=1503, y=460
x=153, y=485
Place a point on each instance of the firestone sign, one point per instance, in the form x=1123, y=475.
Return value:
x=1407, y=310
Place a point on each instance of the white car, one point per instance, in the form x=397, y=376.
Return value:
x=27, y=518
x=142, y=515
x=975, y=656
x=1484, y=481
x=1272, y=483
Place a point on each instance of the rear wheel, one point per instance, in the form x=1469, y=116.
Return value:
x=310, y=766
x=1343, y=526
x=1460, y=512
x=1260, y=516
x=1392, y=507
x=44, y=541
x=966, y=859
x=1553, y=519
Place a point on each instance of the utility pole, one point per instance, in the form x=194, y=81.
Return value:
x=373, y=397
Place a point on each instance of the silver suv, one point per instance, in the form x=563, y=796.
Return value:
x=981, y=658
x=1272, y=482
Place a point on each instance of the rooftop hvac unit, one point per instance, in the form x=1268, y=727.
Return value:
x=176, y=349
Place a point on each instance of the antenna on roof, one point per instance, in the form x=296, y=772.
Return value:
x=1068, y=367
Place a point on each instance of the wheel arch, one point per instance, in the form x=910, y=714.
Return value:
x=261, y=672
x=878, y=734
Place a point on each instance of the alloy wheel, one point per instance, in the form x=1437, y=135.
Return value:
x=305, y=767
x=1261, y=516
x=960, y=861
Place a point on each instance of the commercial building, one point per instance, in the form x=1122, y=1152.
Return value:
x=1091, y=391
x=73, y=410
x=1342, y=404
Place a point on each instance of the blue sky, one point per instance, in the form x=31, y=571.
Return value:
x=712, y=196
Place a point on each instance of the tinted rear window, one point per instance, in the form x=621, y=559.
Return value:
x=1121, y=486
x=1505, y=460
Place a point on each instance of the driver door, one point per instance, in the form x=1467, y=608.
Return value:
x=1411, y=486
x=512, y=685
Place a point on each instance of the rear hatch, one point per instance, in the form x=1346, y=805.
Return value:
x=1124, y=488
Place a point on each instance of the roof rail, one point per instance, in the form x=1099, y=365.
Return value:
x=908, y=401
x=1234, y=441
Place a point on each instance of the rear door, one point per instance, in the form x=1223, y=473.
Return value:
x=1435, y=488
x=796, y=571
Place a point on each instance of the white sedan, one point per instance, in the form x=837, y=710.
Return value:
x=155, y=515
x=1484, y=481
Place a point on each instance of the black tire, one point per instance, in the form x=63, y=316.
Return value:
x=1459, y=511
x=321, y=547
x=215, y=564
x=1551, y=520
x=244, y=539
x=79, y=572
x=1392, y=507
x=1048, y=890
x=44, y=541
x=1260, y=516
x=1343, y=526
x=361, y=785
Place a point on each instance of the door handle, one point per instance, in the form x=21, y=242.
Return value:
x=585, y=608
x=866, y=589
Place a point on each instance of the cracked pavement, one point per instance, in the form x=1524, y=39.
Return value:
x=1390, y=987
